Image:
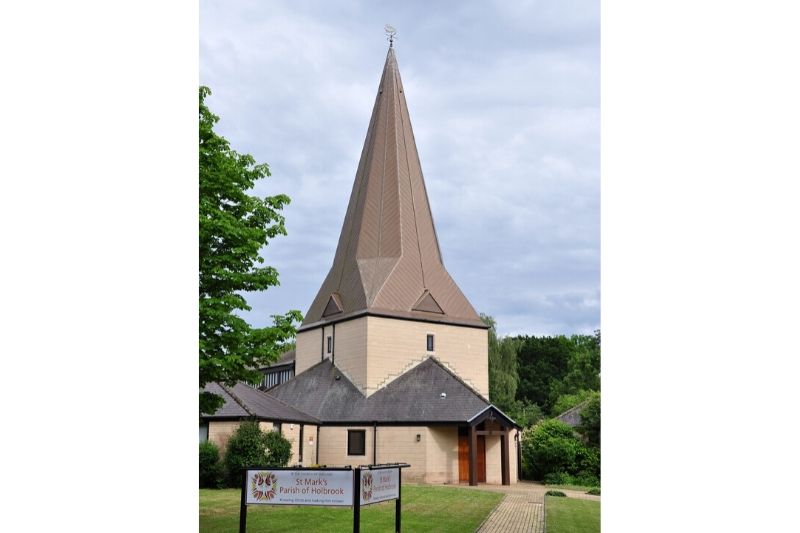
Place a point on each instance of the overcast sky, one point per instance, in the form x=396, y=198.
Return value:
x=505, y=104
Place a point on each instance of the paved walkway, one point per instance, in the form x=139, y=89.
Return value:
x=522, y=509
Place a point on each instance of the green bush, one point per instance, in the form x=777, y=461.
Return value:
x=210, y=466
x=556, y=493
x=594, y=492
x=249, y=446
x=554, y=453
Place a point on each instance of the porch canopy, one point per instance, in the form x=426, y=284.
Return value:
x=495, y=416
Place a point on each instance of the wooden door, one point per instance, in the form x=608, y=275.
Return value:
x=463, y=459
x=481, y=459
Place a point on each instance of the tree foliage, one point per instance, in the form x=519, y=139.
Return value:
x=234, y=226
x=249, y=446
x=551, y=451
x=550, y=367
x=566, y=402
x=503, y=377
x=590, y=421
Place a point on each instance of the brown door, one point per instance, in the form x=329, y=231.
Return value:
x=463, y=459
x=481, y=459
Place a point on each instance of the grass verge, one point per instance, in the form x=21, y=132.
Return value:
x=568, y=515
x=425, y=508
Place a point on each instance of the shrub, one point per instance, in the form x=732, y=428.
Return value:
x=556, y=493
x=553, y=452
x=594, y=492
x=249, y=446
x=210, y=466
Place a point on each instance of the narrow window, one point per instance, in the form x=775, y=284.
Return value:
x=276, y=427
x=330, y=343
x=356, y=442
x=203, y=432
x=430, y=342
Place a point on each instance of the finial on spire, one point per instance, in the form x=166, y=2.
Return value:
x=390, y=34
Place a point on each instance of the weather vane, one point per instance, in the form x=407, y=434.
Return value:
x=390, y=33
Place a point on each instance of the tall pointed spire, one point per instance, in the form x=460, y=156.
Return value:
x=388, y=260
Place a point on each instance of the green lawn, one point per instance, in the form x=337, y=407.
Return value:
x=569, y=515
x=425, y=508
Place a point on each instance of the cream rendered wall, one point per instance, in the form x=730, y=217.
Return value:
x=219, y=431
x=350, y=353
x=309, y=445
x=333, y=446
x=494, y=472
x=398, y=444
x=393, y=345
x=307, y=351
x=512, y=446
x=349, y=348
x=442, y=455
x=292, y=433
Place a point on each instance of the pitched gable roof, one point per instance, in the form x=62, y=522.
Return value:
x=321, y=391
x=388, y=252
x=415, y=397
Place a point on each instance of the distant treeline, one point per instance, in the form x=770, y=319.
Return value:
x=531, y=377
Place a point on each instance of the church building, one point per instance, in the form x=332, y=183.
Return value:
x=391, y=362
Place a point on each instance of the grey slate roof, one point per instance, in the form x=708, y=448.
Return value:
x=230, y=408
x=572, y=416
x=244, y=401
x=286, y=358
x=414, y=397
x=318, y=393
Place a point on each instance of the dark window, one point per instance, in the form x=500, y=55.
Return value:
x=330, y=343
x=276, y=427
x=203, y=432
x=430, y=342
x=356, y=442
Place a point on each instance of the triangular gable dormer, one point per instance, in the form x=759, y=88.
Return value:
x=334, y=306
x=427, y=303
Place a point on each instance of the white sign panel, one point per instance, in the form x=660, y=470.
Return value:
x=299, y=487
x=379, y=485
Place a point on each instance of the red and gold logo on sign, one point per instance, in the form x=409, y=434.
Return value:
x=366, y=486
x=264, y=486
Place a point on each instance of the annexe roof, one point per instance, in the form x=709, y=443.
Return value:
x=242, y=401
x=388, y=261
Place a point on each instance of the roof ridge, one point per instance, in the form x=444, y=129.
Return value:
x=237, y=399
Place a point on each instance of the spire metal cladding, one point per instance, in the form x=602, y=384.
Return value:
x=388, y=261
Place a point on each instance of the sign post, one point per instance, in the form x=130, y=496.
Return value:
x=356, y=501
x=379, y=483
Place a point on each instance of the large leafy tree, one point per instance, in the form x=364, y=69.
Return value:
x=234, y=226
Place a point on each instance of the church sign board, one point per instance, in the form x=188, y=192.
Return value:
x=379, y=484
x=272, y=486
x=342, y=487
